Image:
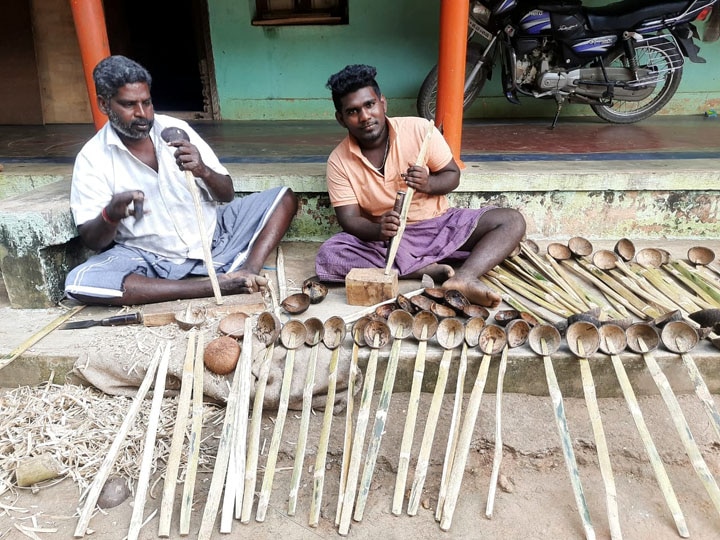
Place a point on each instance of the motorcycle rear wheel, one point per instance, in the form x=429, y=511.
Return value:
x=427, y=97
x=658, y=57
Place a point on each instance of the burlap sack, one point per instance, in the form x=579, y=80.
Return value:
x=120, y=371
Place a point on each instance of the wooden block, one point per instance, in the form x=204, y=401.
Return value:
x=369, y=286
x=163, y=313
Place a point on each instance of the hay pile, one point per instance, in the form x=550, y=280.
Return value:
x=76, y=426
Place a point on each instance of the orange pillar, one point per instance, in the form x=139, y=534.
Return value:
x=92, y=37
x=451, y=71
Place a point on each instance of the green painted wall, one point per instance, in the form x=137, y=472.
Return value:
x=275, y=73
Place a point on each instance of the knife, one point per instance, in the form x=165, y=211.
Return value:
x=117, y=320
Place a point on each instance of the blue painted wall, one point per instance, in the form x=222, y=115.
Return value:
x=276, y=73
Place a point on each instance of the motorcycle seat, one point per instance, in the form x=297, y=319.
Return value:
x=627, y=14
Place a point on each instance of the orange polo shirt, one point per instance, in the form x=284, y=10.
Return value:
x=351, y=179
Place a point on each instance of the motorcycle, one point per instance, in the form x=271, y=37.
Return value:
x=624, y=60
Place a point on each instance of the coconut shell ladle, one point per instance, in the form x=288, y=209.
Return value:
x=267, y=330
x=333, y=336
x=491, y=340
x=612, y=342
x=644, y=339
x=377, y=335
x=314, y=333
x=473, y=327
x=517, y=333
x=450, y=334
x=174, y=134
x=424, y=327
x=583, y=339
x=544, y=340
x=400, y=323
x=679, y=337
x=292, y=335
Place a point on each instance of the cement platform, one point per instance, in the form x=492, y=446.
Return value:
x=668, y=168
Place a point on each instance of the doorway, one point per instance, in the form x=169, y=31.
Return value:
x=171, y=38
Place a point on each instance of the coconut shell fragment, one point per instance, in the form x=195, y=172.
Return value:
x=221, y=355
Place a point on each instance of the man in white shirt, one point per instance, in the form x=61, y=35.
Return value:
x=130, y=202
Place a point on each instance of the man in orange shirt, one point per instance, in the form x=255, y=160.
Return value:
x=364, y=174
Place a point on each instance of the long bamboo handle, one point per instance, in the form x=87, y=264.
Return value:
x=682, y=427
x=207, y=255
x=254, y=438
x=568, y=453
x=410, y=419
x=358, y=440
x=420, y=161
x=319, y=474
x=498, y=455
x=464, y=440
x=429, y=433
x=600, y=445
x=195, y=437
x=178, y=438
x=661, y=475
x=136, y=520
x=304, y=426
x=378, y=427
x=111, y=455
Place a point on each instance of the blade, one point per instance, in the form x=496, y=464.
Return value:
x=79, y=324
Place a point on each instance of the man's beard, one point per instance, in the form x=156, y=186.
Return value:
x=129, y=129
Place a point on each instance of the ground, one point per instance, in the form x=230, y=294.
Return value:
x=534, y=500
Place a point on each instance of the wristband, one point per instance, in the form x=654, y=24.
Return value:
x=106, y=217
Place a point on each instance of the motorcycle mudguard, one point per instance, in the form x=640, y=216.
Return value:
x=684, y=35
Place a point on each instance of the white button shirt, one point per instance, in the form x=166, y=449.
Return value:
x=169, y=227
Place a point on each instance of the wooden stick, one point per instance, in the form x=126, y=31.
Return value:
x=359, y=438
x=319, y=471
x=429, y=433
x=277, y=432
x=223, y=456
x=280, y=269
x=32, y=340
x=661, y=475
x=704, y=289
x=353, y=317
x=682, y=426
x=195, y=437
x=136, y=520
x=379, y=425
x=497, y=456
x=464, y=440
x=304, y=426
x=509, y=298
x=568, y=453
x=104, y=470
x=207, y=254
x=178, y=438
x=453, y=431
x=349, y=408
x=234, y=486
x=254, y=438
x=410, y=420
x=419, y=162
x=600, y=444
x=702, y=391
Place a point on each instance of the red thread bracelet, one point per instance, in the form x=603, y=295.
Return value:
x=106, y=217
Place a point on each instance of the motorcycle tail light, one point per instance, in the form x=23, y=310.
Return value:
x=704, y=13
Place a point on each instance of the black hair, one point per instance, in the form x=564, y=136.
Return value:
x=351, y=79
x=114, y=72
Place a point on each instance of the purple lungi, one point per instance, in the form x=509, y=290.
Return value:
x=424, y=242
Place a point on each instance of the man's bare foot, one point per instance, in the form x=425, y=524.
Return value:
x=241, y=282
x=439, y=272
x=474, y=290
